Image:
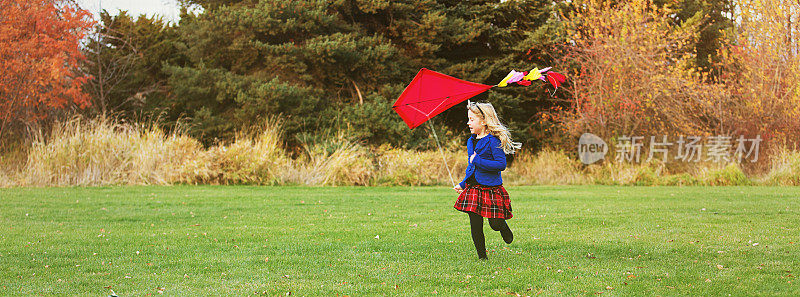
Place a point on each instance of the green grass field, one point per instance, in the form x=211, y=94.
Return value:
x=237, y=240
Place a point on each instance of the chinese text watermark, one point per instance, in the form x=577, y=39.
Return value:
x=717, y=149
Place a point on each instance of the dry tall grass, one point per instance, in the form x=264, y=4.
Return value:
x=785, y=169
x=5, y=180
x=101, y=152
x=347, y=164
x=253, y=158
x=418, y=168
x=548, y=167
x=104, y=152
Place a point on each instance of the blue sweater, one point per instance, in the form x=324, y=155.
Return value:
x=489, y=161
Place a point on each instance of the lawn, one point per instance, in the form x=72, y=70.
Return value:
x=240, y=240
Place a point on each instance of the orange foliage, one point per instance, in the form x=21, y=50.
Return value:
x=761, y=71
x=633, y=75
x=634, y=78
x=39, y=56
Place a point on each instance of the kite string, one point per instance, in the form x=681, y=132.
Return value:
x=442, y=152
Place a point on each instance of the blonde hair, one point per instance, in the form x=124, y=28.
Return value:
x=486, y=112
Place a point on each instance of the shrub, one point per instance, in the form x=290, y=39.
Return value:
x=634, y=72
x=253, y=158
x=730, y=175
x=101, y=151
x=418, y=168
x=333, y=160
x=548, y=167
x=784, y=169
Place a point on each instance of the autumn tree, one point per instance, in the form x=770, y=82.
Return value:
x=639, y=73
x=636, y=72
x=39, y=56
x=761, y=72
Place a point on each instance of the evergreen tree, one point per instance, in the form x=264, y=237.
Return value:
x=327, y=63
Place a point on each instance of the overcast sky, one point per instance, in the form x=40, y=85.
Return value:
x=166, y=8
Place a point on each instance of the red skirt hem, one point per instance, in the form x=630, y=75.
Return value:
x=486, y=201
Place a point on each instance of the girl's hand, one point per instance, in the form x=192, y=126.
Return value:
x=458, y=189
x=471, y=157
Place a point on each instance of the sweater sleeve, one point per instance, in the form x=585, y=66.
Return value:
x=499, y=156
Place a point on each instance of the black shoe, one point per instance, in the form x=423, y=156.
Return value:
x=508, y=237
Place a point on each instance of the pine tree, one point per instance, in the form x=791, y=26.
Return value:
x=327, y=63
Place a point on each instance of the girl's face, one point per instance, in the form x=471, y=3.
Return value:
x=475, y=123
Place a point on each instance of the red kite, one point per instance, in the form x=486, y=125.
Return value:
x=430, y=93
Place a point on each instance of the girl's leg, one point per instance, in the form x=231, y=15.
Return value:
x=476, y=226
x=502, y=226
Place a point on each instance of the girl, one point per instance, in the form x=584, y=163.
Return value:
x=481, y=193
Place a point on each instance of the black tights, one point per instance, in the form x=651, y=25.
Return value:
x=476, y=224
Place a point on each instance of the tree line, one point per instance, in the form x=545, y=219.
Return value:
x=328, y=66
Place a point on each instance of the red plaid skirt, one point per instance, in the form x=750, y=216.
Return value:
x=488, y=202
